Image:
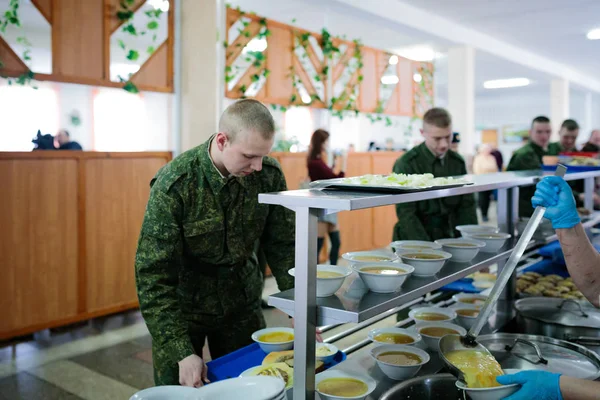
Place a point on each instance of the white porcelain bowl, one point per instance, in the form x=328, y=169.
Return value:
x=414, y=335
x=268, y=347
x=399, y=372
x=493, y=241
x=414, y=245
x=466, y=321
x=478, y=300
x=253, y=388
x=433, y=342
x=361, y=257
x=331, y=349
x=448, y=312
x=462, y=250
x=384, y=283
x=494, y=393
x=468, y=230
x=424, y=267
x=168, y=392
x=328, y=286
x=371, y=384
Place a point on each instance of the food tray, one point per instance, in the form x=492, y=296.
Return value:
x=462, y=285
x=572, y=168
x=338, y=183
x=233, y=364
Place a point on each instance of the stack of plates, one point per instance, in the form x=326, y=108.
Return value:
x=253, y=388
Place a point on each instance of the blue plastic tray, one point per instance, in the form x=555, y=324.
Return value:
x=571, y=168
x=461, y=285
x=554, y=252
x=548, y=267
x=233, y=364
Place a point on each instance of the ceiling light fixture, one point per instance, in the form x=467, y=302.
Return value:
x=418, y=53
x=417, y=78
x=506, y=83
x=393, y=60
x=594, y=34
x=256, y=45
x=389, y=79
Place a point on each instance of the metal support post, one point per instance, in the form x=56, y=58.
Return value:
x=508, y=211
x=588, y=199
x=305, y=306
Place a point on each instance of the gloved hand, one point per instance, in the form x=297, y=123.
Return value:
x=555, y=194
x=538, y=385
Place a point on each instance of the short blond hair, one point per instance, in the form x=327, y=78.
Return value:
x=438, y=117
x=247, y=114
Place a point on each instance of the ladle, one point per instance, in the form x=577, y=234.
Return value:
x=450, y=343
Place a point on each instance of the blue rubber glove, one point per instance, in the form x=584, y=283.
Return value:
x=555, y=194
x=535, y=385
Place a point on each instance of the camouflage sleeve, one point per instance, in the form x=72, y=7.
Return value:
x=467, y=211
x=411, y=226
x=523, y=162
x=157, y=262
x=279, y=240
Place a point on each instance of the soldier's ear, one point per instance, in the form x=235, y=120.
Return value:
x=221, y=139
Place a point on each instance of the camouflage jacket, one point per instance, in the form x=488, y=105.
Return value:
x=437, y=218
x=195, y=259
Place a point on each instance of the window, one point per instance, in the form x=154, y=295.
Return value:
x=25, y=110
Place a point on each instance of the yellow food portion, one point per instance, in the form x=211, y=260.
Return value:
x=383, y=270
x=423, y=256
x=393, y=338
x=480, y=369
x=437, y=331
x=425, y=316
x=328, y=274
x=343, y=387
x=399, y=358
x=278, y=370
x=371, y=258
x=276, y=337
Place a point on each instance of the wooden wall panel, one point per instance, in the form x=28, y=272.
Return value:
x=38, y=242
x=154, y=70
x=356, y=226
x=278, y=86
x=369, y=88
x=384, y=218
x=45, y=8
x=405, y=93
x=117, y=190
x=13, y=65
x=77, y=39
x=294, y=167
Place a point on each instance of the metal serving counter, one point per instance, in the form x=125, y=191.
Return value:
x=353, y=303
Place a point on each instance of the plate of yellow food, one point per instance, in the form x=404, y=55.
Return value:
x=336, y=385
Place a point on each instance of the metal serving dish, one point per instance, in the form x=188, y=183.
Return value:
x=521, y=351
x=570, y=320
x=438, y=386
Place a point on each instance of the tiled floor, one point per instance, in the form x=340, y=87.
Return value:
x=107, y=358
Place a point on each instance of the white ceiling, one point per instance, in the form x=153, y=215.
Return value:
x=552, y=28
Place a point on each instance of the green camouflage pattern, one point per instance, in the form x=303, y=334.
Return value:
x=437, y=218
x=529, y=157
x=196, y=268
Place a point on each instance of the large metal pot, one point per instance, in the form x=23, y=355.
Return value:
x=570, y=320
x=438, y=386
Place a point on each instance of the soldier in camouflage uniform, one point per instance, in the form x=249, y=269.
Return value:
x=529, y=157
x=433, y=219
x=196, y=269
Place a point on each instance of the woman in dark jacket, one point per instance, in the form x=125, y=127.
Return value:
x=318, y=170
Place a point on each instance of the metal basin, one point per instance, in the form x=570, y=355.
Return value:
x=438, y=386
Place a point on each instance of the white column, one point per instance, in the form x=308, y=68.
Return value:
x=461, y=95
x=588, y=122
x=201, y=67
x=559, y=105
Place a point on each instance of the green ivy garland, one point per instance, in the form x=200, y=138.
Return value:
x=125, y=14
x=11, y=17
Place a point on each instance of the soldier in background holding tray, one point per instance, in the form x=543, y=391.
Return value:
x=437, y=218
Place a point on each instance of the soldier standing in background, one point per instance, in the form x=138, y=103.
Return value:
x=437, y=218
x=196, y=269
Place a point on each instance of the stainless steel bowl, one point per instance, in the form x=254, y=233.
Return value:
x=438, y=386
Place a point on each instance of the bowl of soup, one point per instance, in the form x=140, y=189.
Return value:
x=493, y=241
x=399, y=362
x=432, y=332
x=426, y=262
x=274, y=339
x=467, y=230
x=326, y=352
x=383, y=277
x=462, y=250
x=498, y=392
x=336, y=385
x=466, y=315
x=400, y=245
x=394, y=335
x=361, y=257
x=477, y=300
x=329, y=278
x=423, y=315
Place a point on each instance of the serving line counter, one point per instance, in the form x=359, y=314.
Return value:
x=352, y=303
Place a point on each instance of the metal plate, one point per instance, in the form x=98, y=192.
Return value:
x=548, y=310
x=340, y=184
x=563, y=357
